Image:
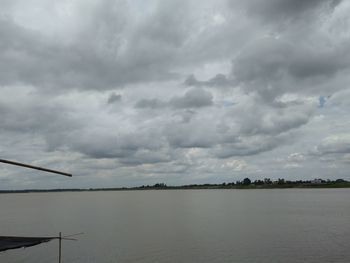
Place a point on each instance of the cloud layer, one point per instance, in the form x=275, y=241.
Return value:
x=124, y=93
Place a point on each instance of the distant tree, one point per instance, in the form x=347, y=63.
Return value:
x=340, y=181
x=159, y=185
x=258, y=182
x=267, y=181
x=280, y=181
x=246, y=181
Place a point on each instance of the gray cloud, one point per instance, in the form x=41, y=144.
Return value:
x=246, y=146
x=273, y=67
x=113, y=98
x=189, y=135
x=335, y=144
x=36, y=117
x=150, y=103
x=129, y=149
x=194, y=98
x=285, y=10
x=220, y=80
x=103, y=56
x=273, y=56
x=273, y=121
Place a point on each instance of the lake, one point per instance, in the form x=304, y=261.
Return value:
x=284, y=225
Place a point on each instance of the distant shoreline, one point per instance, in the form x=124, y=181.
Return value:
x=187, y=187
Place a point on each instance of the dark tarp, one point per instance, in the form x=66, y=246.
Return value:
x=7, y=242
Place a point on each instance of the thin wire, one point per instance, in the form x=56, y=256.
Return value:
x=78, y=234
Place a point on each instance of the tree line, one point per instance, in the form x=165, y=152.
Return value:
x=247, y=182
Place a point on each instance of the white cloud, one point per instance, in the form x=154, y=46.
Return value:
x=236, y=165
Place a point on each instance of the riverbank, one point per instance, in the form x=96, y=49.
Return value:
x=191, y=187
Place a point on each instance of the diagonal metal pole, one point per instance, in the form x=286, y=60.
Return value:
x=34, y=167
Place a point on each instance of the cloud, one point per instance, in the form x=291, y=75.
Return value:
x=220, y=80
x=194, y=98
x=273, y=67
x=339, y=99
x=285, y=10
x=195, y=134
x=127, y=93
x=294, y=160
x=296, y=157
x=150, y=103
x=334, y=144
x=36, y=114
x=247, y=146
x=236, y=165
x=276, y=121
x=109, y=51
x=113, y=98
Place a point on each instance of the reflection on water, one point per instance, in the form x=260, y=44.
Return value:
x=291, y=225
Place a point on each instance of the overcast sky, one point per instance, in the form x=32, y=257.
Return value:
x=126, y=93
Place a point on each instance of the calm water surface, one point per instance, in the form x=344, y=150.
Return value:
x=302, y=225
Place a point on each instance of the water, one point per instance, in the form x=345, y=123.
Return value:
x=291, y=225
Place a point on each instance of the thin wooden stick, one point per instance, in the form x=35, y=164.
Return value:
x=34, y=167
x=59, y=247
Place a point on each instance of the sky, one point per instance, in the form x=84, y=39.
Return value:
x=129, y=93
